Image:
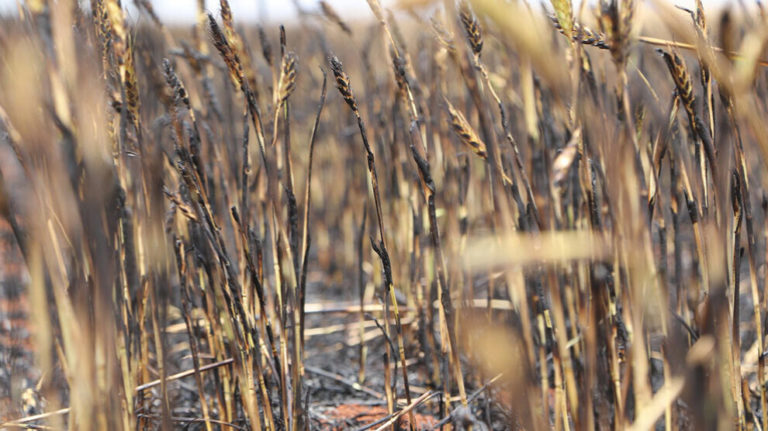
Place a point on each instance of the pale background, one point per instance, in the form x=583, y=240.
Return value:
x=183, y=11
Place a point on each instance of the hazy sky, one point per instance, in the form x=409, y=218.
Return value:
x=279, y=10
x=184, y=10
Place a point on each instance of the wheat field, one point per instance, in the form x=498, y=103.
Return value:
x=447, y=214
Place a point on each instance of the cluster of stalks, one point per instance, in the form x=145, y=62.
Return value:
x=536, y=217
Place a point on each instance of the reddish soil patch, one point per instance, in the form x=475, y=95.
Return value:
x=348, y=416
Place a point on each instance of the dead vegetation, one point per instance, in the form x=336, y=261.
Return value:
x=493, y=216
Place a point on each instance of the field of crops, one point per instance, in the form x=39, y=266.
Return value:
x=448, y=214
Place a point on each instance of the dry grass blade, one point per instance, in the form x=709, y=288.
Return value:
x=565, y=159
x=407, y=410
x=665, y=396
x=378, y=12
x=588, y=36
x=525, y=249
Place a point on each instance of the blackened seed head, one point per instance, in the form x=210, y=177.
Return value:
x=336, y=65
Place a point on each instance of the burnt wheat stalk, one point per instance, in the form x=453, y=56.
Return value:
x=344, y=87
